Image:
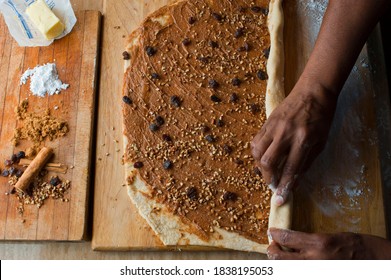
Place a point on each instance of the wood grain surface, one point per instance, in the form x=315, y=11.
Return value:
x=75, y=56
x=117, y=225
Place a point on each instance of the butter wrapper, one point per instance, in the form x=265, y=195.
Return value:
x=23, y=29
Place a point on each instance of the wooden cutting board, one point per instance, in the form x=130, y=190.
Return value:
x=352, y=201
x=76, y=57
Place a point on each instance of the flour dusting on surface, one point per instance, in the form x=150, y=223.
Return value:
x=43, y=79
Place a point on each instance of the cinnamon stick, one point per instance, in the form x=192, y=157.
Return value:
x=33, y=169
x=50, y=166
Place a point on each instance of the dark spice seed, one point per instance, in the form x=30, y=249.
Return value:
x=239, y=32
x=192, y=193
x=262, y=75
x=213, y=84
x=138, y=164
x=215, y=98
x=150, y=50
x=266, y=52
x=233, y=98
x=155, y=76
x=247, y=47
x=210, y=138
x=21, y=155
x=175, y=101
x=255, y=108
x=230, y=196
x=153, y=127
x=168, y=164
x=256, y=9
x=54, y=181
x=220, y=123
x=126, y=55
x=186, y=41
x=227, y=149
x=217, y=17
x=19, y=173
x=257, y=171
x=159, y=120
x=242, y=10
x=166, y=138
x=213, y=44
x=192, y=20
x=127, y=100
x=7, y=162
x=239, y=161
x=236, y=81
x=5, y=173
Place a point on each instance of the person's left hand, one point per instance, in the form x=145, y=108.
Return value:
x=318, y=246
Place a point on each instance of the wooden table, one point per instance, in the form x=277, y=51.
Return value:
x=110, y=84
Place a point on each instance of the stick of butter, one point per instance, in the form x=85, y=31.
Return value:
x=45, y=20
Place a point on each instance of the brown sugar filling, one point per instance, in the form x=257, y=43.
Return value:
x=194, y=98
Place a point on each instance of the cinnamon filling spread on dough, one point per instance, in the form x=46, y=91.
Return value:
x=193, y=99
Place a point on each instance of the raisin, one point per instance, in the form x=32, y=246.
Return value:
x=239, y=161
x=153, y=127
x=265, y=11
x=21, y=155
x=126, y=55
x=213, y=84
x=19, y=173
x=203, y=59
x=12, y=171
x=262, y=75
x=192, y=20
x=256, y=9
x=186, y=41
x=159, y=120
x=236, y=81
x=192, y=193
x=233, y=98
x=255, y=108
x=217, y=17
x=210, y=138
x=14, y=159
x=213, y=44
x=242, y=10
x=175, y=101
x=257, y=171
x=5, y=173
x=151, y=51
x=239, y=33
x=245, y=48
x=230, y=196
x=215, y=98
x=155, y=76
x=227, y=149
x=266, y=52
x=7, y=162
x=54, y=181
x=205, y=129
x=166, y=138
x=138, y=164
x=219, y=123
x=127, y=100
x=168, y=164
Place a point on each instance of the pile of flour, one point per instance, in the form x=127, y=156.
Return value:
x=44, y=79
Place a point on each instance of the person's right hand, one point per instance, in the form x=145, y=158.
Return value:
x=293, y=136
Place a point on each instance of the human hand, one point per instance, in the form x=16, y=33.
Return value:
x=293, y=136
x=319, y=246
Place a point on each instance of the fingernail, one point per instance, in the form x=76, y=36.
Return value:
x=279, y=200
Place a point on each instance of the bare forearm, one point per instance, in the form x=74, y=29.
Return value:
x=345, y=28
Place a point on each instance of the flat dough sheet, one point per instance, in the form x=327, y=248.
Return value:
x=170, y=228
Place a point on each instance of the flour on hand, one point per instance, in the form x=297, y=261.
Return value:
x=44, y=79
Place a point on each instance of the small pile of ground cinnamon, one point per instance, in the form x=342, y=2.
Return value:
x=37, y=128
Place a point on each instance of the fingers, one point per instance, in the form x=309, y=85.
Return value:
x=292, y=167
x=295, y=240
x=275, y=252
